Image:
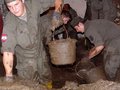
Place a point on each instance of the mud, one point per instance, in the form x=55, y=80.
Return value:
x=61, y=74
x=99, y=85
x=29, y=85
x=65, y=77
x=19, y=84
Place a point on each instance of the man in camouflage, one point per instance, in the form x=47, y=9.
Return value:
x=23, y=38
x=105, y=36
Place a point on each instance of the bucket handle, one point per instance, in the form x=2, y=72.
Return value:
x=53, y=38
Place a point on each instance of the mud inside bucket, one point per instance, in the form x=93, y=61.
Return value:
x=62, y=51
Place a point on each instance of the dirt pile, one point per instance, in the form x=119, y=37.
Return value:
x=29, y=85
x=99, y=85
x=21, y=85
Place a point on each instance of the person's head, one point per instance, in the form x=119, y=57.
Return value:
x=66, y=7
x=78, y=24
x=16, y=7
x=66, y=17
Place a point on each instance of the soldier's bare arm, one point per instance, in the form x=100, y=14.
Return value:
x=8, y=62
x=95, y=51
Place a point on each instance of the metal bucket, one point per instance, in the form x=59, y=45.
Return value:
x=62, y=51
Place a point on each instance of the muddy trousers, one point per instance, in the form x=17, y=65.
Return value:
x=111, y=63
x=27, y=69
x=29, y=65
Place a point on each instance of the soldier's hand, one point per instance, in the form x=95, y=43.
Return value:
x=58, y=5
x=85, y=60
x=86, y=63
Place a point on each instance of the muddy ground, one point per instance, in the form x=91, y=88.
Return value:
x=64, y=77
x=27, y=85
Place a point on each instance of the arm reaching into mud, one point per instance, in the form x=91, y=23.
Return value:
x=92, y=53
x=8, y=63
x=95, y=51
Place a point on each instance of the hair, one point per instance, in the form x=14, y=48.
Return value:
x=66, y=7
x=66, y=13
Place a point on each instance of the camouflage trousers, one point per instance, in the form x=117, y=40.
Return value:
x=30, y=67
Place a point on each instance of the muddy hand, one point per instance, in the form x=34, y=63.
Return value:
x=86, y=63
x=85, y=60
x=58, y=5
x=9, y=79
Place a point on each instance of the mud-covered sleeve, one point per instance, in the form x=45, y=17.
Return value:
x=8, y=35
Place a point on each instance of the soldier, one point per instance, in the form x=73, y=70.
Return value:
x=22, y=37
x=105, y=35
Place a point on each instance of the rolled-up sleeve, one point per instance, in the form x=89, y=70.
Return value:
x=8, y=35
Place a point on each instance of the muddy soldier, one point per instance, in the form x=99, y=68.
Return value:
x=105, y=35
x=22, y=37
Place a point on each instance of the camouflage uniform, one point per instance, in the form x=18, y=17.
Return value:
x=25, y=40
x=104, y=32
